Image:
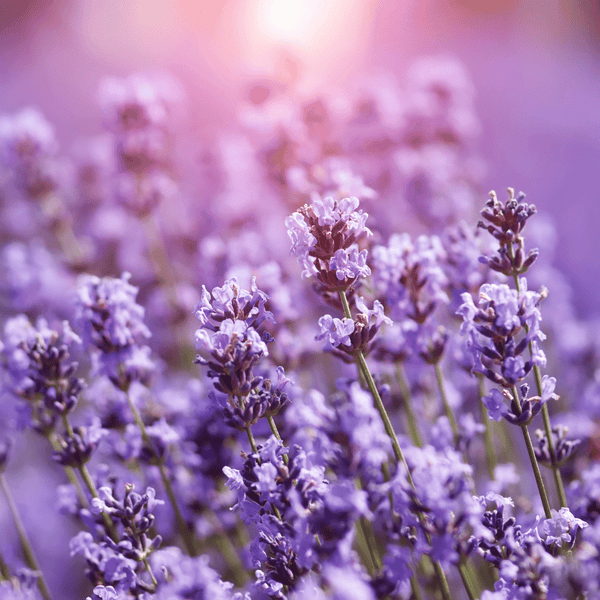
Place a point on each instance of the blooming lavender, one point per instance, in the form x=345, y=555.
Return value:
x=113, y=327
x=323, y=238
x=274, y=471
x=36, y=361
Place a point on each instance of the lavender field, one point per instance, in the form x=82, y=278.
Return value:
x=291, y=347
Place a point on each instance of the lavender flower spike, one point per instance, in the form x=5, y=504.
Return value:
x=113, y=324
x=323, y=239
x=232, y=302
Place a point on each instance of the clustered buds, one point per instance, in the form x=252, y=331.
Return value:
x=134, y=513
x=499, y=331
x=505, y=222
x=352, y=334
x=563, y=448
x=232, y=342
x=324, y=236
x=37, y=362
x=521, y=411
x=113, y=325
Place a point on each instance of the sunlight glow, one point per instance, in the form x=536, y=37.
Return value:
x=324, y=34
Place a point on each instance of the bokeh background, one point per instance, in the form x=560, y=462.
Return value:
x=534, y=63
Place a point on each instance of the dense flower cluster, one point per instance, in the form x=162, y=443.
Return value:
x=272, y=470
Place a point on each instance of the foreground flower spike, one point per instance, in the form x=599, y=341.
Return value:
x=36, y=360
x=231, y=342
x=505, y=222
x=113, y=324
x=323, y=237
x=506, y=323
x=352, y=334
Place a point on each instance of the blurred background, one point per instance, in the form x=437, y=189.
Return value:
x=534, y=64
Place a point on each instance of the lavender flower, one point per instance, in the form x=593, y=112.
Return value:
x=505, y=222
x=351, y=335
x=323, y=237
x=409, y=277
x=232, y=302
x=113, y=325
x=499, y=331
x=36, y=360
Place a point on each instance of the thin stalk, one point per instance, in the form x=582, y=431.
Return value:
x=413, y=429
x=558, y=482
x=365, y=527
x=228, y=551
x=399, y=455
x=28, y=552
x=533, y=460
x=490, y=455
x=366, y=552
x=4, y=572
x=182, y=526
x=447, y=408
x=276, y=433
x=414, y=587
x=466, y=579
x=251, y=440
x=85, y=475
x=70, y=473
x=149, y=569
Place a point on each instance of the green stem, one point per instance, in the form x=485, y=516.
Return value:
x=70, y=473
x=362, y=365
x=443, y=582
x=4, y=572
x=182, y=526
x=399, y=455
x=413, y=429
x=533, y=460
x=447, y=408
x=366, y=552
x=414, y=586
x=490, y=455
x=251, y=440
x=466, y=579
x=276, y=433
x=85, y=475
x=28, y=552
x=366, y=530
x=149, y=569
x=558, y=482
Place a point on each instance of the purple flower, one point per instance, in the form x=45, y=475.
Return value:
x=233, y=303
x=112, y=319
x=495, y=404
x=349, y=264
x=499, y=331
x=113, y=324
x=323, y=237
x=409, y=277
x=350, y=335
x=36, y=360
x=336, y=331
x=505, y=222
x=561, y=528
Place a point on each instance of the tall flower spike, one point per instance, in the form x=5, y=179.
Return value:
x=499, y=331
x=232, y=302
x=505, y=222
x=113, y=323
x=323, y=237
x=36, y=359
